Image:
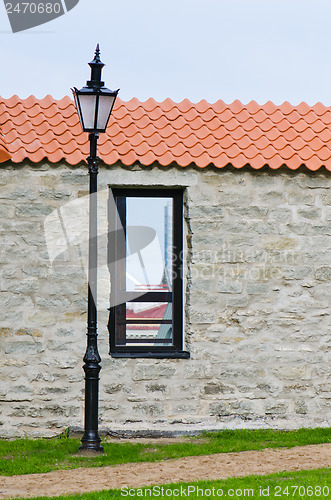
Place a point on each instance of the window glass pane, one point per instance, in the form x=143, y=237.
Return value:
x=151, y=338
x=149, y=259
x=142, y=323
x=148, y=311
x=138, y=328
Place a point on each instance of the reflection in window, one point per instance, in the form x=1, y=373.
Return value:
x=144, y=254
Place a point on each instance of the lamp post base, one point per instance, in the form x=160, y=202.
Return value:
x=91, y=442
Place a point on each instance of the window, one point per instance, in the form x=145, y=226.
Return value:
x=145, y=242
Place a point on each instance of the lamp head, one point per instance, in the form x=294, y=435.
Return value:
x=94, y=102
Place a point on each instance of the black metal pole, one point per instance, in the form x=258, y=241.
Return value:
x=91, y=440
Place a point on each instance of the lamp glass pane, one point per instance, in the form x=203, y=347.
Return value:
x=78, y=110
x=87, y=104
x=105, y=107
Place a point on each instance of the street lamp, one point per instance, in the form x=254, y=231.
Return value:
x=94, y=104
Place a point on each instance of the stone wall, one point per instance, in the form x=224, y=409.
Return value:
x=257, y=304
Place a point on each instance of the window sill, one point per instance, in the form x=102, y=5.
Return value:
x=149, y=354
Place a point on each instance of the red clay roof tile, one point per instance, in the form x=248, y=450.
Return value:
x=166, y=105
x=150, y=104
x=232, y=124
x=183, y=106
x=184, y=133
x=166, y=159
x=324, y=135
x=317, y=126
x=324, y=153
x=133, y=104
x=319, y=108
x=303, y=108
x=4, y=154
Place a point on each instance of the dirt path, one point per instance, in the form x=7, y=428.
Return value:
x=219, y=466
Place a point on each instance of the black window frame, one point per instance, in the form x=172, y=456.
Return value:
x=175, y=350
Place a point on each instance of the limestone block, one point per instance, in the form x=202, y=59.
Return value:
x=219, y=409
x=294, y=372
x=209, y=212
x=33, y=209
x=229, y=287
x=153, y=372
x=323, y=274
x=309, y=213
x=276, y=242
x=183, y=408
x=149, y=409
x=301, y=407
x=257, y=289
x=217, y=388
x=198, y=371
x=66, y=362
x=198, y=317
x=51, y=194
x=157, y=388
x=26, y=347
x=112, y=388
x=276, y=408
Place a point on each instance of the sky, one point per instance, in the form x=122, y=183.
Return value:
x=278, y=50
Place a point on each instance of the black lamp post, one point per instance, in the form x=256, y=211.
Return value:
x=94, y=104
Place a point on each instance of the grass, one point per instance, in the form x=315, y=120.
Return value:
x=281, y=485
x=27, y=456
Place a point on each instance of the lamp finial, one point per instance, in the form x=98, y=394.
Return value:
x=97, y=53
x=96, y=68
